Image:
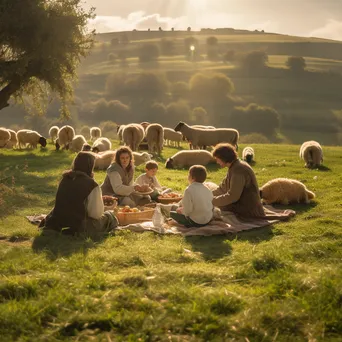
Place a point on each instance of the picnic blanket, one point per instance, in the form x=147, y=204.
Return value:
x=225, y=223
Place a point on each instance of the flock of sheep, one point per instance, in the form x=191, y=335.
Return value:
x=279, y=190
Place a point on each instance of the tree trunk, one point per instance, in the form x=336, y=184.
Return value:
x=11, y=88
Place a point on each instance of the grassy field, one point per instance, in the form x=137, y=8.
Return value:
x=279, y=283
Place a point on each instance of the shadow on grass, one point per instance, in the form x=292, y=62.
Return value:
x=56, y=245
x=323, y=168
x=217, y=247
x=298, y=208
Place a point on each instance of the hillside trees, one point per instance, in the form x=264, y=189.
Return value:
x=148, y=53
x=254, y=61
x=41, y=44
x=296, y=64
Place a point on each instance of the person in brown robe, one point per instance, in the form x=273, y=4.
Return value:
x=239, y=191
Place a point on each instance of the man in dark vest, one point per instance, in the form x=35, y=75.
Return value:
x=79, y=207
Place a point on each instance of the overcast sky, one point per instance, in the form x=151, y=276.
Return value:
x=319, y=18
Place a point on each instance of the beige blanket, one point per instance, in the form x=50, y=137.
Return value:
x=225, y=224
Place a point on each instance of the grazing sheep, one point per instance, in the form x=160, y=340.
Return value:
x=30, y=138
x=101, y=145
x=312, y=153
x=133, y=135
x=86, y=147
x=14, y=140
x=5, y=137
x=77, y=143
x=208, y=137
x=285, y=191
x=141, y=158
x=189, y=158
x=95, y=133
x=64, y=137
x=53, y=133
x=171, y=135
x=248, y=154
x=119, y=131
x=104, y=159
x=155, y=138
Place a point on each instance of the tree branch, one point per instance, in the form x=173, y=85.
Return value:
x=11, y=88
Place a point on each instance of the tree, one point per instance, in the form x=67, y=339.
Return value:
x=148, y=53
x=41, y=44
x=296, y=64
x=157, y=113
x=200, y=116
x=167, y=47
x=180, y=90
x=212, y=41
x=254, y=60
x=177, y=111
x=212, y=48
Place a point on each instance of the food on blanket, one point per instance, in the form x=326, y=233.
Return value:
x=108, y=201
x=170, y=195
x=127, y=209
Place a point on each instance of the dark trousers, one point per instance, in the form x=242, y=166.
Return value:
x=184, y=220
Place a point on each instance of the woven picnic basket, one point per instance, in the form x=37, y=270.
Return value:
x=130, y=218
x=169, y=200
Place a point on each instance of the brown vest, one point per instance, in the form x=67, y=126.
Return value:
x=249, y=204
x=126, y=178
x=70, y=207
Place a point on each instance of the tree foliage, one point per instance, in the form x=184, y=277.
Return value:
x=41, y=44
x=254, y=60
x=296, y=63
x=148, y=53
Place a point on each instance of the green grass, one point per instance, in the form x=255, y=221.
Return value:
x=279, y=283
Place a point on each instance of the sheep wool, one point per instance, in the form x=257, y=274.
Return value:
x=285, y=191
x=311, y=152
x=14, y=140
x=133, y=135
x=95, y=133
x=53, y=133
x=30, y=139
x=170, y=135
x=5, y=137
x=248, y=154
x=77, y=143
x=141, y=158
x=64, y=137
x=155, y=138
x=104, y=159
x=200, y=137
x=189, y=158
x=101, y=145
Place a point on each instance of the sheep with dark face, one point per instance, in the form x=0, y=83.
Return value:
x=248, y=154
x=64, y=137
x=208, y=137
x=30, y=138
x=189, y=158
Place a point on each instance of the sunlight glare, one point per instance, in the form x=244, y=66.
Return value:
x=198, y=5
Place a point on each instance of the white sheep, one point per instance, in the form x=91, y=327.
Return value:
x=101, y=145
x=133, y=135
x=248, y=154
x=14, y=140
x=31, y=138
x=155, y=138
x=141, y=158
x=208, y=137
x=5, y=137
x=77, y=143
x=95, y=133
x=312, y=153
x=104, y=159
x=64, y=137
x=285, y=191
x=170, y=135
x=189, y=158
x=119, y=131
x=53, y=133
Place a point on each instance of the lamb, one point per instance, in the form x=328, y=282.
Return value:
x=171, y=135
x=133, y=135
x=208, y=137
x=64, y=137
x=189, y=158
x=101, y=145
x=141, y=158
x=285, y=191
x=119, y=131
x=95, y=133
x=5, y=137
x=312, y=153
x=248, y=154
x=104, y=159
x=53, y=133
x=155, y=138
x=32, y=138
x=77, y=143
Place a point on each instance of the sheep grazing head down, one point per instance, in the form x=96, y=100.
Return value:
x=86, y=147
x=169, y=163
x=95, y=150
x=179, y=126
x=42, y=141
x=249, y=158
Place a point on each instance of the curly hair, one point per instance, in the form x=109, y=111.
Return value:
x=225, y=152
x=122, y=150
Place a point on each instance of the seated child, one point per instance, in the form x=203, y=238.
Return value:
x=196, y=208
x=149, y=178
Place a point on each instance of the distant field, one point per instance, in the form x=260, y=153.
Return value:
x=278, y=283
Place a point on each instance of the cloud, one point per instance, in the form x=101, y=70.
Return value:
x=331, y=30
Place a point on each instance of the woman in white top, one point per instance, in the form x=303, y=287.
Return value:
x=196, y=208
